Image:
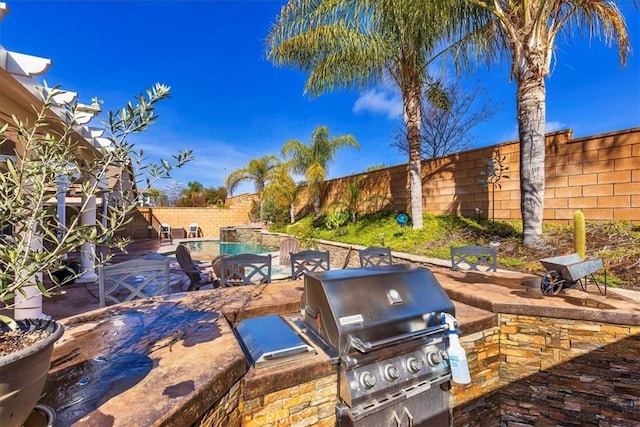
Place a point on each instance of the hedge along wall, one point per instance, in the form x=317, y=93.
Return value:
x=598, y=174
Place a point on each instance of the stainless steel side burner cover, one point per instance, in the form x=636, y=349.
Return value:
x=269, y=340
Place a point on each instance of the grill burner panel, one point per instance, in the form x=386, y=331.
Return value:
x=375, y=380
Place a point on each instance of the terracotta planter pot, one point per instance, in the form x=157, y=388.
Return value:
x=23, y=373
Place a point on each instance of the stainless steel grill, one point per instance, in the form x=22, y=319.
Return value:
x=382, y=325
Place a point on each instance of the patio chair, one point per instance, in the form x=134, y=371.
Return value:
x=216, y=270
x=287, y=247
x=308, y=262
x=193, y=230
x=164, y=231
x=375, y=255
x=133, y=279
x=245, y=269
x=198, y=276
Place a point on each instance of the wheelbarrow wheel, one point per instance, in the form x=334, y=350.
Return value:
x=551, y=283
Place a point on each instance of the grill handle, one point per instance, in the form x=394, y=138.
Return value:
x=367, y=346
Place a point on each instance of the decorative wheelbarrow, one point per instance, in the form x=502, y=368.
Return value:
x=565, y=271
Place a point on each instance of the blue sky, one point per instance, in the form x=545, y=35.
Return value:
x=230, y=105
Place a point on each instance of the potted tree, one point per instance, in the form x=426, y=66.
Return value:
x=47, y=150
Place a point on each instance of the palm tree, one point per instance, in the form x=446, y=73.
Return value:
x=313, y=160
x=283, y=190
x=154, y=195
x=192, y=195
x=258, y=172
x=352, y=43
x=529, y=30
x=193, y=190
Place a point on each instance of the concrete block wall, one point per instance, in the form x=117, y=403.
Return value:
x=210, y=219
x=598, y=174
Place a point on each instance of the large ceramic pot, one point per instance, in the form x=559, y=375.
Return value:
x=23, y=373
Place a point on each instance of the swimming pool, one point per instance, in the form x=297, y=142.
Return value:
x=209, y=249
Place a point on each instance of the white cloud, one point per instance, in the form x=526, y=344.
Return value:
x=379, y=101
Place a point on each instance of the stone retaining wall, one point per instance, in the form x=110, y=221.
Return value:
x=550, y=372
x=560, y=372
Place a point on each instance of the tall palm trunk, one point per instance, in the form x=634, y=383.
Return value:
x=530, y=97
x=412, y=118
x=292, y=213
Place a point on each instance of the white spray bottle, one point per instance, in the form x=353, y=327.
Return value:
x=457, y=355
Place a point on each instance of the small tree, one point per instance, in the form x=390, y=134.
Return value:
x=46, y=151
x=215, y=196
x=155, y=195
x=173, y=191
x=353, y=199
x=282, y=190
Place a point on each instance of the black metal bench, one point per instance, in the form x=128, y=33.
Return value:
x=474, y=257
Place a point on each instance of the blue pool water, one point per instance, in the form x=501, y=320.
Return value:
x=211, y=248
x=206, y=250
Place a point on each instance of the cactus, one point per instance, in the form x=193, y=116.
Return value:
x=579, y=234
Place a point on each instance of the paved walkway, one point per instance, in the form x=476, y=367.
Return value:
x=82, y=297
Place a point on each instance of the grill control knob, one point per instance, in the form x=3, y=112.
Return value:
x=367, y=379
x=413, y=365
x=391, y=372
x=435, y=359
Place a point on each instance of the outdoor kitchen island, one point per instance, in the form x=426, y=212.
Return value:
x=176, y=361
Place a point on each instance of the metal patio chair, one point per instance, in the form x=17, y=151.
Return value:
x=375, y=255
x=164, y=232
x=133, y=279
x=308, y=262
x=245, y=269
x=475, y=258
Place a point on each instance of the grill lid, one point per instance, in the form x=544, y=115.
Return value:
x=364, y=307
